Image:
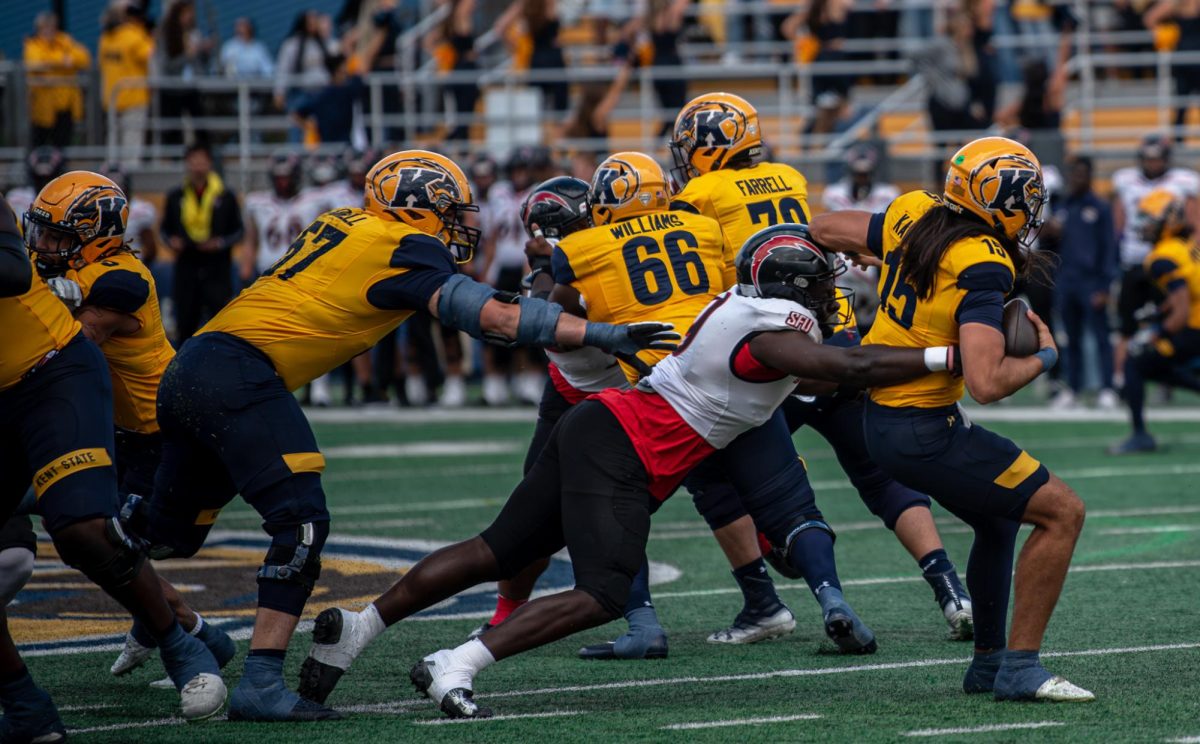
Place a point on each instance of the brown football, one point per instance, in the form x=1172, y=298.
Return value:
x=1020, y=335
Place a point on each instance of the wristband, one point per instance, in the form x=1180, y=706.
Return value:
x=1048, y=357
x=937, y=358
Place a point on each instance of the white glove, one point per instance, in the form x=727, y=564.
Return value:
x=66, y=290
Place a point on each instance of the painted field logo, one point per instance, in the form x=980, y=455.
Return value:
x=60, y=611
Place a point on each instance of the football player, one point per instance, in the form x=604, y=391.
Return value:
x=112, y=295
x=42, y=165
x=1130, y=186
x=552, y=211
x=717, y=146
x=947, y=263
x=274, y=217
x=56, y=432
x=614, y=458
x=229, y=419
x=1167, y=351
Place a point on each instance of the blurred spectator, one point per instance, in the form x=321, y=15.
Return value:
x=826, y=23
x=452, y=44
x=183, y=53
x=1186, y=15
x=304, y=61
x=1039, y=108
x=611, y=19
x=331, y=110
x=949, y=66
x=52, y=61
x=979, y=16
x=663, y=20
x=589, y=119
x=379, y=28
x=125, y=50
x=42, y=165
x=1039, y=21
x=540, y=22
x=201, y=224
x=244, y=57
x=1129, y=186
x=1081, y=225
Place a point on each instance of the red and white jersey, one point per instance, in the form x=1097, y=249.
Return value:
x=315, y=201
x=142, y=216
x=710, y=390
x=20, y=199
x=277, y=221
x=839, y=196
x=577, y=374
x=1130, y=185
x=500, y=220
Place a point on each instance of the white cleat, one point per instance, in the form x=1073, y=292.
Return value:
x=438, y=678
x=756, y=628
x=202, y=697
x=1060, y=690
x=132, y=656
x=961, y=619
x=163, y=684
x=339, y=636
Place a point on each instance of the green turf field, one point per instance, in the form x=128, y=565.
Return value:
x=1127, y=627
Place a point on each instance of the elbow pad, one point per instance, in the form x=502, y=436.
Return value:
x=461, y=302
x=538, y=322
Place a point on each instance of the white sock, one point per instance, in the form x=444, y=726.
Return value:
x=474, y=656
x=374, y=624
x=199, y=625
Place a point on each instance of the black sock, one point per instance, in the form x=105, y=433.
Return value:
x=935, y=562
x=758, y=590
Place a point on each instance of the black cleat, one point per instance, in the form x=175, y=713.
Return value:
x=608, y=652
x=318, y=678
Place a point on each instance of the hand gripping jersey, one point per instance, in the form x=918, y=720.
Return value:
x=277, y=221
x=1175, y=263
x=1130, y=185
x=745, y=201
x=32, y=325
x=711, y=389
x=663, y=266
x=346, y=281
x=123, y=283
x=905, y=320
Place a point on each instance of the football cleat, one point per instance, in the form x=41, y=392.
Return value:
x=1136, y=443
x=955, y=603
x=132, y=656
x=1060, y=690
x=33, y=719
x=615, y=650
x=981, y=674
x=1036, y=684
x=843, y=626
x=752, y=627
x=275, y=702
x=436, y=678
x=202, y=697
x=338, y=639
x=479, y=631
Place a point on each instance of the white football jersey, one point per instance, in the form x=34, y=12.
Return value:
x=20, y=199
x=315, y=201
x=277, y=221
x=500, y=220
x=699, y=380
x=589, y=370
x=840, y=196
x=1130, y=186
x=142, y=216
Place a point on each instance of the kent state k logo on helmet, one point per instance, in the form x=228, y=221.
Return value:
x=616, y=183
x=1015, y=189
x=719, y=127
x=419, y=185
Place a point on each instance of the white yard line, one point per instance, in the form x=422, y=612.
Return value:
x=1150, y=530
x=739, y=722
x=513, y=717
x=983, y=729
x=453, y=448
x=1184, y=740
x=398, y=706
x=133, y=725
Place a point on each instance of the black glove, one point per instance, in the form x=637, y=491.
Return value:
x=632, y=338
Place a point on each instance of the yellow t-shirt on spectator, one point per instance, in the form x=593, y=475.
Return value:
x=125, y=53
x=48, y=61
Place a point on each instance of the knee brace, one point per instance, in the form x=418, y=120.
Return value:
x=111, y=559
x=719, y=503
x=777, y=555
x=16, y=566
x=292, y=565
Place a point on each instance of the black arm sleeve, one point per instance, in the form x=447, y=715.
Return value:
x=428, y=263
x=16, y=272
x=123, y=291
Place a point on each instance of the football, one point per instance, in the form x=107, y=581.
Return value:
x=1020, y=334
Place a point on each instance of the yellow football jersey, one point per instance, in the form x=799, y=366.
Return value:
x=664, y=266
x=343, y=284
x=136, y=362
x=745, y=200
x=31, y=326
x=1175, y=263
x=909, y=321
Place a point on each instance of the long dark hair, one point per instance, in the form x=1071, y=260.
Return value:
x=922, y=247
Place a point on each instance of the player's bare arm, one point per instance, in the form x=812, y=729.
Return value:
x=100, y=323
x=570, y=299
x=989, y=374
x=844, y=232
x=864, y=366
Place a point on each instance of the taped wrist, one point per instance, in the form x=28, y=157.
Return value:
x=1048, y=357
x=462, y=301
x=603, y=336
x=538, y=322
x=937, y=358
